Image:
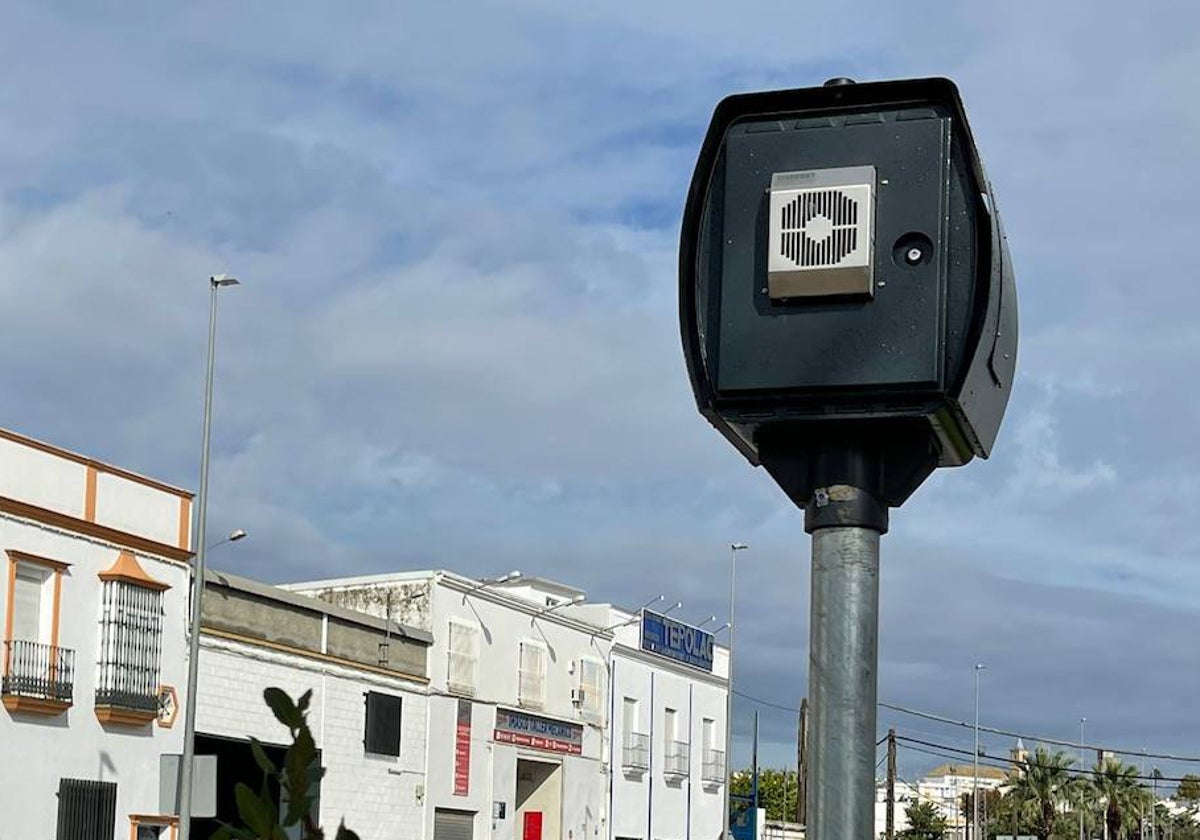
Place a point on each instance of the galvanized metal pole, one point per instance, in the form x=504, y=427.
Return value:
x=1082, y=798
x=975, y=778
x=734, y=548
x=184, y=791
x=843, y=658
x=889, y=827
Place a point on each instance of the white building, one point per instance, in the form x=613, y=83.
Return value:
x=368, y=711
x=668, y=723
x=943, y=786
x=521, y=716
x=516, y=725
x=94, y=659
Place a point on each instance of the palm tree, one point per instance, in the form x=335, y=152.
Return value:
x=1044, y=780
x=1117, y=784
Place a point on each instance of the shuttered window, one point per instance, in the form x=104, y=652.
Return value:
x=592, y=686
x=452, y=825
x=87, y=810
x=130, y=646
x=28, y=586
x=463, y=657
x=382, y=736
x=531, y=675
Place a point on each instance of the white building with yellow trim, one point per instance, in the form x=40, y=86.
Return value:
x=93, y=605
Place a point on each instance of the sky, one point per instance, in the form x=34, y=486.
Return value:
x=456, y=342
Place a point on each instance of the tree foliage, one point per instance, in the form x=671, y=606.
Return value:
x=1116, y=784
x=1189, y=788
x=777, y=791
x=297, y=779
x=925, y=822
x=1044, y=781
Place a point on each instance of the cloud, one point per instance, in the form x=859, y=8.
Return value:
x=456, y=341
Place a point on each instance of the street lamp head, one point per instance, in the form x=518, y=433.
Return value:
x=224, y=280
x=738, y=546
x=236, y=535
x=980, y=667
x=674, y=606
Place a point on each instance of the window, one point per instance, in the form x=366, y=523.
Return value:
x=38, y=676
x=675, y=752
x=531, y=675
x=713, y=758
x=591, y=696
x=86, y=809
x=462, y=657
x=130, y=646
x=30, y=619
x=635, y=746
x=382, y=731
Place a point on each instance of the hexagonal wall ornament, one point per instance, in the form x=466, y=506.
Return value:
x=168, y=706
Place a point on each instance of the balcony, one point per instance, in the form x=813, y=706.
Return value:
x=677, y=759
x=635, y=752
x=129, y=707
x=37, y=678
x=712, y=768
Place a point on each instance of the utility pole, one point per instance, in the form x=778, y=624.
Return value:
x=802, y=764
x=890, y=828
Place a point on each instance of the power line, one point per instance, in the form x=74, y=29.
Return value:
x=1037, y=738
x=994, y=730
x=1003, y=763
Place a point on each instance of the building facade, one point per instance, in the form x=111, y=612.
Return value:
x=668, y=723
x=517, y=738
x=94, y=657
x=944, y=787
x=551, y=719
x=368, y=710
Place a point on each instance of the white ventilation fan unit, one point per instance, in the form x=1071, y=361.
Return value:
x=822, y=233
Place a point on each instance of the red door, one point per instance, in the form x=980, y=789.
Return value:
x=533, y=826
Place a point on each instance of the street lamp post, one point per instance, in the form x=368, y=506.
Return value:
x=975, y=780
x=734, y=548
x=1082, y=764
x=189, y=716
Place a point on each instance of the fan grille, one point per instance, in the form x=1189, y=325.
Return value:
x=819, y=228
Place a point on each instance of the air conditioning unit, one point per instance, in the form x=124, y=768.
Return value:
x=578, y=696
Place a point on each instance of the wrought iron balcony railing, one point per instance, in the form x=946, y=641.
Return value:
x=38, y=671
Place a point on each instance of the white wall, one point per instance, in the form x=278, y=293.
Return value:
x=41, y=479
x=379, y=797
x=136, y=508
x=647, y=805
x=74, y=744
x=57, y=480
x=504, y=621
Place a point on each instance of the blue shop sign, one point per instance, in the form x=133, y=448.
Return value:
x=679, y=641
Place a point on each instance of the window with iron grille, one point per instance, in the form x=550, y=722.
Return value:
x=463, y=656
x=531, y=675
x=382, y=736
x=131, y=618
x=87, y=810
